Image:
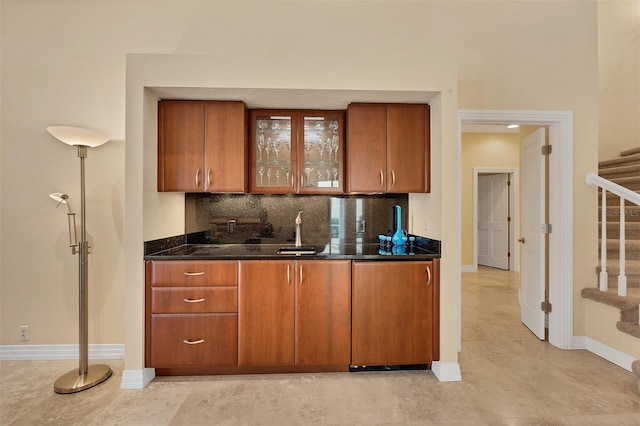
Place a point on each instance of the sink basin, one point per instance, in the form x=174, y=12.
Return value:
x=297, y=251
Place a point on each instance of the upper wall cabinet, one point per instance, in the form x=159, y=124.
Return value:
x=202, y=146
x=296, y=152
x=388, y=148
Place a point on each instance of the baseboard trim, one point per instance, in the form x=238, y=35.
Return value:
x=137, y=379
x=446, y=371
x=603, y=351
x=467, y=268
x=57, y=352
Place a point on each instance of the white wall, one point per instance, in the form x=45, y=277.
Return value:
x=82, y=62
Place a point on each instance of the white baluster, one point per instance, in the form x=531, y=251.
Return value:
x=622, y=277
x=604, y=277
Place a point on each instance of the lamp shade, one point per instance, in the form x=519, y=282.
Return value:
x=59, y=197
x=78, y=136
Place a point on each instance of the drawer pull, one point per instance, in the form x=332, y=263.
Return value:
x=193, y=274
x=193, y=300
x=193, y=342
x=428, y=275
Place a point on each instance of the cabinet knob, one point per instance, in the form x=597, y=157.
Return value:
x=521, y=240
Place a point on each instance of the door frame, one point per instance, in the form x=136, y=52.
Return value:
x=560, y=124
x=514, y=206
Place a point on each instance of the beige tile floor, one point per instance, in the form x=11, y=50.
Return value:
x=509, y=378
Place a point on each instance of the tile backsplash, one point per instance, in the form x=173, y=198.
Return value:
x=269, y=219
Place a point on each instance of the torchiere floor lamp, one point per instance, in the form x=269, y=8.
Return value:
x=84, y=377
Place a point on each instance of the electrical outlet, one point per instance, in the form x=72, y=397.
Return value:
x=24, y=333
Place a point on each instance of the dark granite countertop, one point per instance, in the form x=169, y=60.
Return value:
x=353, y=251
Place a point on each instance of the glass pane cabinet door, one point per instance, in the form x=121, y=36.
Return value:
x=322, y=152
x=296, y=151
x=273, y=152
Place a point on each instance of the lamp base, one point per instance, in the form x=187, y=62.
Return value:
x=73, y=382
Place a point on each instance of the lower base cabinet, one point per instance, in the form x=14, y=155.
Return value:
x=191, y=314
x=252, y=316
x=392, y=313
x=294, y=313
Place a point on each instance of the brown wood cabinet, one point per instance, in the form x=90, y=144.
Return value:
x=323, y=312
x=294, y=312
x=266, y=328
x=252, y=316
x=191, y=314
x=393, y=318
x=202, y=146
x=296, y=152
x=388, y=148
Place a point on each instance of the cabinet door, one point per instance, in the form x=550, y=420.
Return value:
x=320, y=152
x=225, y=147
x=174, y=273
x=181, y=146
x=366, y=148
x=266, y=311
x=406, y=148
x=323, y=312
x=173, y=300
x=273, y=155
x=392, y=313
x=192, y=340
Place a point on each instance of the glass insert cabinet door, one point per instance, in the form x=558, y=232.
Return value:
x=297, y=152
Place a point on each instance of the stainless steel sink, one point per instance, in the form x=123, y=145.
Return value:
x=297, y=251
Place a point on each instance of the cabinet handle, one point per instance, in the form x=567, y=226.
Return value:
x=193, y=274
x=193, y=342
x=393, y=178
x=428, y=276
x=293, y=179
x=193, y=300
x=301, y=181
x=300, y=274
x=288, y=275
x=381, y=179
x=209, y=179
x=198, y=177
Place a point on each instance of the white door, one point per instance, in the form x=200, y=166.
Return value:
x=493, y=224
x=532, y=276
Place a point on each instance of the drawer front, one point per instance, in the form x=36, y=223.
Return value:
x=194, y=273
x=167, y=300
x=194, y=340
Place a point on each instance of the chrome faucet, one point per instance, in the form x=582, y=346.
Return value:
x=298, y=230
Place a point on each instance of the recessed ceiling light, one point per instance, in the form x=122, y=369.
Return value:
x=513, y=126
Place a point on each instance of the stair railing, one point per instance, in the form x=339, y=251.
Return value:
x=625, y=194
